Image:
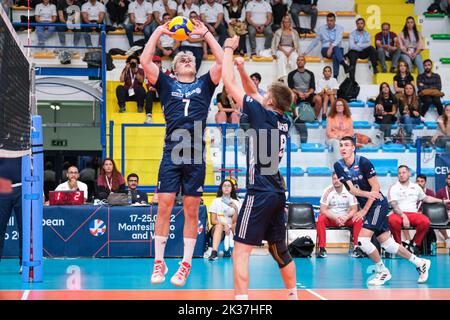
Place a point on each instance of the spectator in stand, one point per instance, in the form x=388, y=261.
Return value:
x=72, y=183
x=222, y=210
x=89, y=176
x=132, y=90
x=409, y=109
x=402, y=78
x=387, y=47
x=227, y=109
x=411, y=45
x=160, y=7
x=337, y=208
x=339, y=125
x=92, y=12
x=301, y=81
x=421, y=180
x=404, y=197
x=234, y=14
x=442, y=138
x=286, y=46
x=386, y=107
x=429, y=86
x=444, y=194
x=69, y=12
x=141, y=17
x=110, y=180
x=167, y=46
x=326, y=91
x=195, y=44
x=360, y=47
x=259, y=18
x=136, y=195
x=279, y=10
x=45, y=12
x=211, y=13
x=256, y=78
x=187, y=7
x=117, y=12
x=330, y=36
x=307, y=6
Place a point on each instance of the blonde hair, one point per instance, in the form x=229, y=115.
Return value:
x=180, y=55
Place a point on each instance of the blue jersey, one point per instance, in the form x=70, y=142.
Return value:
x=267, y=125
x=358, y=173
x=183, y=104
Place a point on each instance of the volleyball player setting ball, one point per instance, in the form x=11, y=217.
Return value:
x=185, y=103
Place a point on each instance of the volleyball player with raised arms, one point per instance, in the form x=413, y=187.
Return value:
x=185, y=104
x=262, y=214
x=359, y=177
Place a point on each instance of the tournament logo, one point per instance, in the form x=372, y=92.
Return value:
x=200, y=227
x=97, y=227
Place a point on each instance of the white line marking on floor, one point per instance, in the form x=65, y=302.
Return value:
x=316, y=294
x=25, y=295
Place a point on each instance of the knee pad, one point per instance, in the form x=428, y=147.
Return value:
x=366, y=245
x=280, y=253
x=390, y=246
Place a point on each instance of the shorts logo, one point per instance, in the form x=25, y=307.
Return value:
x=248, y=99
x=97, y=227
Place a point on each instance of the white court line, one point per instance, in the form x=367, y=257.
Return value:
x=316, y=294
x=25, y=295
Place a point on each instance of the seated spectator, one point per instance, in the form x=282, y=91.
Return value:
x=259, y=18
x=211, y=13
x=411, y=45
x=404, y=197
x=92, y=12
x=256, y=78
x=386, y=42
x=409, y=109
x=132, y=90
x=160, y=7
x=187, y=7
x=136, y=195
x=285, y=45
x=330, y=36
x=45, y=12
x=442, y=138
x=234, y=14
x=360, y=47
x=195, y=44
x=141, y=18
x=429, y=86
x=117, y=11
x=339, y=125
x=444, y=194
x=69, y=12
x=326, y=91
x=167, y=46
x=279, y=10
x=337, y=208
x=222, y=210
x=110, y=180
x=227, y=109
x=386, y=107
x=402, y=78
x=421, y=180
x=307, y=6
x=72, y=183
x=301, y=81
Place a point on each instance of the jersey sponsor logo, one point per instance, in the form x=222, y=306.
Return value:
x=283, y=126
x=356, y=167
x=97, y=227
x=177, y=94
x=190, y=93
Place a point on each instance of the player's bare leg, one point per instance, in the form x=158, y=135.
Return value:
x=290, y=280
x=241, y=255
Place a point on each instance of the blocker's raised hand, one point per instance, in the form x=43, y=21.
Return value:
x=232, y=42
x=199, y=28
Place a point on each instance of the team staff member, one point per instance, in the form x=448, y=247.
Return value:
x=72, y=183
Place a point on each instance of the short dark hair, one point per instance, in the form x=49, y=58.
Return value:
x=385, y=24
x=428, y=60
x=348, y=138
x=421, y=176
x=448, y=175
x=256, y=75
x=360, y=19
x=331, y=15
x=403, y=166
x=165, y=14
x=133, y=175
x=133, y=57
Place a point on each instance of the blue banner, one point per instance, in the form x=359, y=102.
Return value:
x=99, y=231
x=442, y=168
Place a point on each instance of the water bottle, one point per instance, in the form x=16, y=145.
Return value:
x=433, y=249
x=130, y=198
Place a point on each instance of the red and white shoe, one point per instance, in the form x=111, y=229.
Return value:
x=159, y=271
x=180, y=277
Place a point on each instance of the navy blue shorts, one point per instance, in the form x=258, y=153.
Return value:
x=262, y=217
x=376, y=219
x=189, y=177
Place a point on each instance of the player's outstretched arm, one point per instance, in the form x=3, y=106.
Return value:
x=249, y=86
x=151, y=69
x=201, y=30
x=229, y=80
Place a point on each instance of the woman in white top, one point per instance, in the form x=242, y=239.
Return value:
x=224, y=210
x=411, y=45
x=187, y=7
x=285, y=45
x=326, y=90
x=234, y=15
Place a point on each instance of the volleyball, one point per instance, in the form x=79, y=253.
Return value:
x=182, y=26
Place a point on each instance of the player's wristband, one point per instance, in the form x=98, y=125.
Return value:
x=228, y=47
x=205, y=33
